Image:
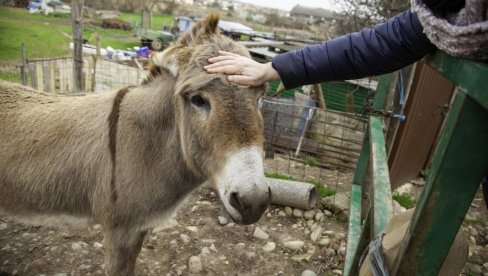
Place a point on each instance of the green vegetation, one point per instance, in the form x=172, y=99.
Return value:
x=50, y=36
x=425, y=173
x=405, y=200
x=322, y=189
x=472, y=221
x=9, y=76
x=117, y=39
x=43, y=35
x=158, y=20
x=311, y=161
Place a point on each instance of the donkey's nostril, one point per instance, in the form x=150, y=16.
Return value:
x=235, y=201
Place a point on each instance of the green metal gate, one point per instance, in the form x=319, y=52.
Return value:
x=460, y=160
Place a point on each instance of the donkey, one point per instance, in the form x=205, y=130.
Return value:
x=128, y=159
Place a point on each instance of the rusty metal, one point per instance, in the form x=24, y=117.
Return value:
x=413, y=144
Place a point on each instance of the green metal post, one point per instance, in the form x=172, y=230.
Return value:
x=355, y=209
x=382, y=200
x=458, y=166
x=469, y=76
x=384, y=84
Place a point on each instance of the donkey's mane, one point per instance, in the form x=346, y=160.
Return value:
x=154, y=72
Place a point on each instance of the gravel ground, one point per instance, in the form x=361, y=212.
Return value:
x=202, y=240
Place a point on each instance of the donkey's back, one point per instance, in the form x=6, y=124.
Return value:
x=51, y=151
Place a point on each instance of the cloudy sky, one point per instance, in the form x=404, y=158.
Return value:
x=289, y=4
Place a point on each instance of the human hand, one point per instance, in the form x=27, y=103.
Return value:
x=241, y=70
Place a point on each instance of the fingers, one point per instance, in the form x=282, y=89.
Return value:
x=219, y=64
x=222, y=58
x=224, y=69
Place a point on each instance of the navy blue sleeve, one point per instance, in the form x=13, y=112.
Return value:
x=387, y=47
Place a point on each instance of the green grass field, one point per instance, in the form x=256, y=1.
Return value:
x=49, y=36
x=158, y=20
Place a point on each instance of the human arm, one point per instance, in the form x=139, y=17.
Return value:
x=242, y=70
x=386, y=48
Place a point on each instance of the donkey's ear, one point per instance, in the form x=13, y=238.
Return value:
x=178, y=54
x=172, y=59
x=201, y=30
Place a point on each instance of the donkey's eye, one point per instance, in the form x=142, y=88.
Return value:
x=199, y=101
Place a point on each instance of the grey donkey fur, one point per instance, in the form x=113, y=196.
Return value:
x=127, y=159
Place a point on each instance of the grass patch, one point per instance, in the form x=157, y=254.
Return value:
x=471, y=221
x=158, y=20
x=311, y=161
x=49, y=36
x=117, y=39
x=323, y=190
x=405, y=200
x=9, y=76
x=42, y=35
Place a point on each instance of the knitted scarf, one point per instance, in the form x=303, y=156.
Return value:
x=463, y=34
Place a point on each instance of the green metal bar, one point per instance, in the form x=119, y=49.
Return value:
x=382, y=91
x=363, y=243
x=355, y=209
x=467, y=75
x=458, y=166
x=382, y=201
x=354, y=231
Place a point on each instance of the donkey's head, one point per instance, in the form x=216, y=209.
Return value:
x=220, y=125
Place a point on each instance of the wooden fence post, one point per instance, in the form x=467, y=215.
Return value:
x=22, y=68
x=77, y=24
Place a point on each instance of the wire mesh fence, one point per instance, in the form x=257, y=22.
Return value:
x=306, y=143
x=55, y=74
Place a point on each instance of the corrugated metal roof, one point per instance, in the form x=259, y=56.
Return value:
x=335, y=94
x=235, y=27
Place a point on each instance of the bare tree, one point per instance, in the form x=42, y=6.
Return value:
x=358, y=14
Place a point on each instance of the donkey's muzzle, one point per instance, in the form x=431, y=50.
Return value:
x=250, y=206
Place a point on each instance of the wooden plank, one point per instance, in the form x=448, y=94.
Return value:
x=77, y=27
x=46, y=77
x=40, y=78
x=52, y=77
x=382, y=200
x=458, y=166
x=68, y=78
x=33, y=74
x=88, y=67
x=319, y=95
x=62, y=79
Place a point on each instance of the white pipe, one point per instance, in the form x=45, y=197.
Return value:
x=292, y=193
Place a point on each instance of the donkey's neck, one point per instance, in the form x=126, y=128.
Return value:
x=149, y=112
x=151, y=105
